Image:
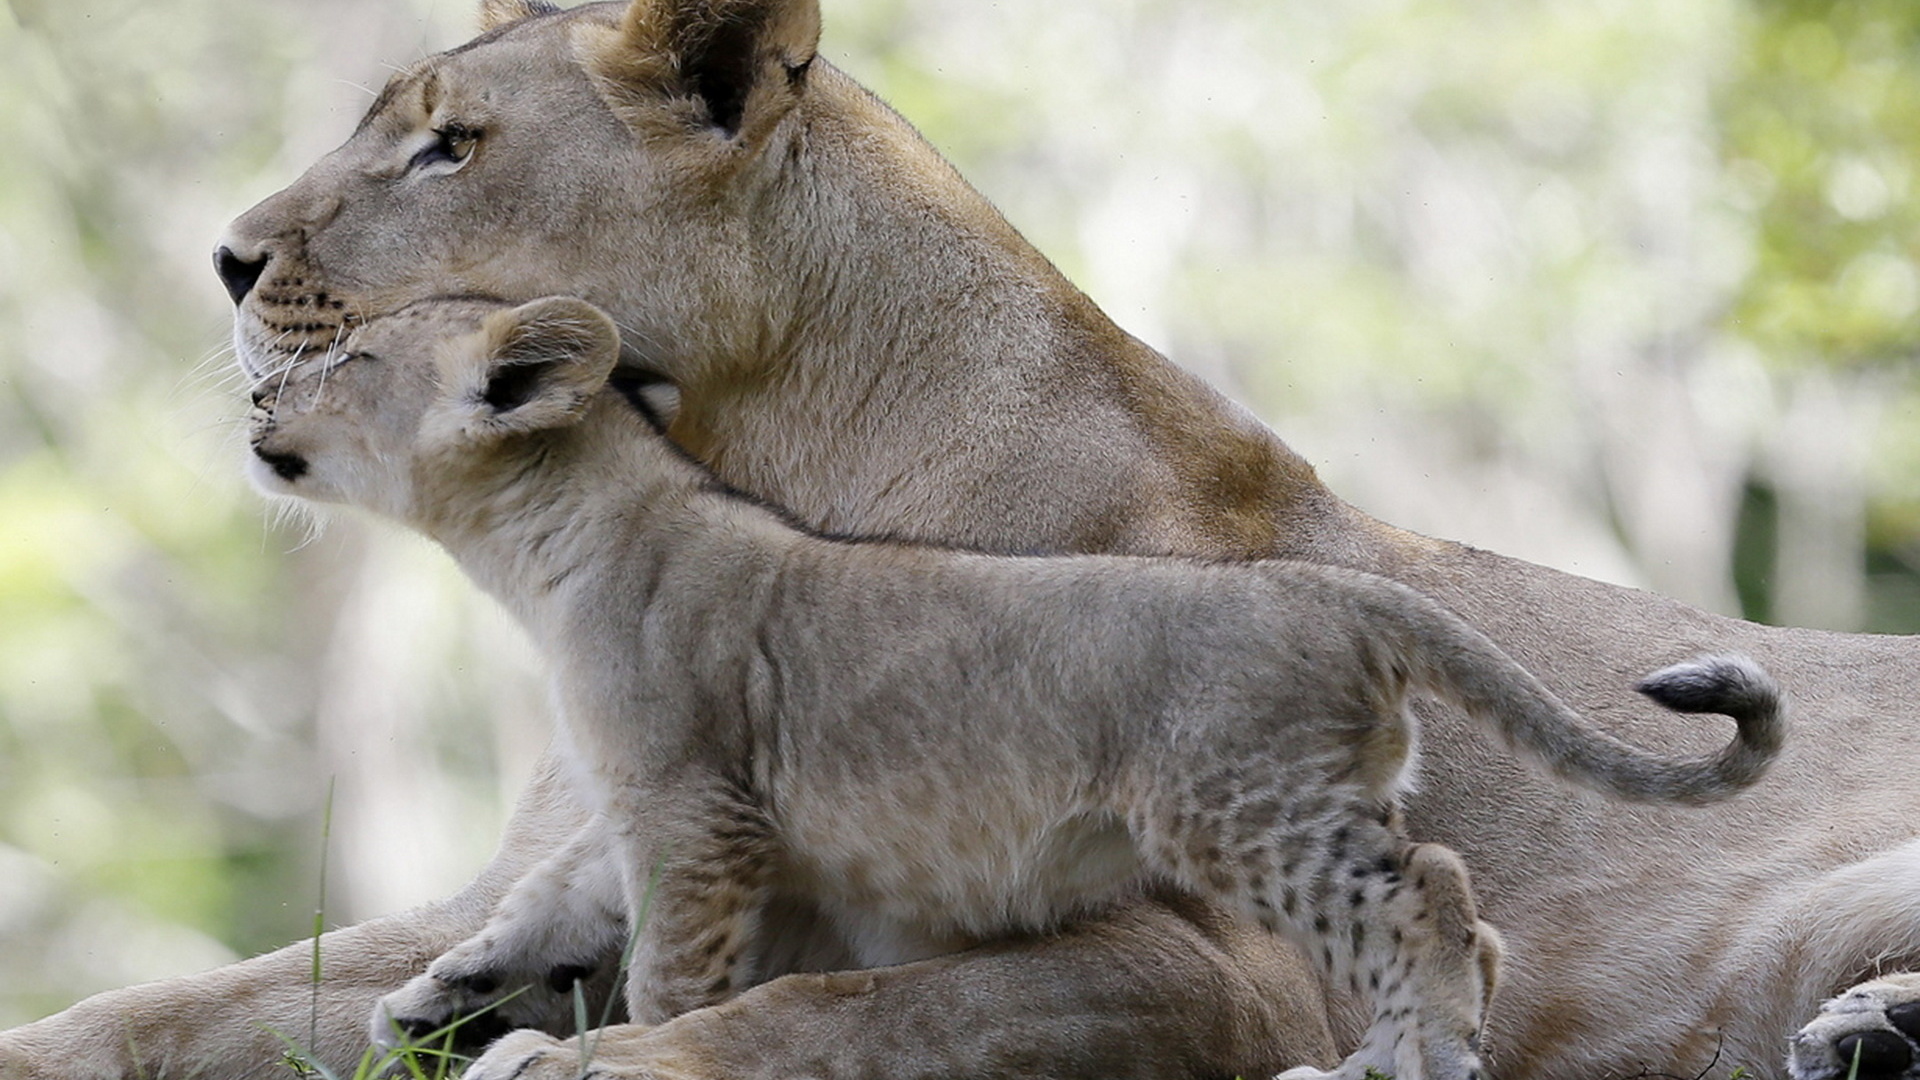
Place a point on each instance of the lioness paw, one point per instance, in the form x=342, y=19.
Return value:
x=527, y=1055
x=1877, y=1023
x=619, y=1052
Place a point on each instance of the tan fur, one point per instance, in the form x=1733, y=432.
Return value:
x=936, y=748
x=495, y=14
x=858, y=336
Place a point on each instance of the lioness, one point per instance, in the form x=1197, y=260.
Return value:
x=934, y=747
x=856, y=334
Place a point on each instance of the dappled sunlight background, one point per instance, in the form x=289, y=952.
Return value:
x=1628, y=287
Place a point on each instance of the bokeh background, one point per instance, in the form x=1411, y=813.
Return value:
x=1628, y=287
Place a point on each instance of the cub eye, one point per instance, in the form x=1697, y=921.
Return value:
x=452, y=145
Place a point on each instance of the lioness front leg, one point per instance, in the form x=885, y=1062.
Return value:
x=1164, y=988
x=561, y=926
x=241, y=1020
x=1876, y=1023
x=228, y=1023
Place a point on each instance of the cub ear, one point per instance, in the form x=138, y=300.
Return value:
x=495, y=14
x=740, y=63
x=537, y=365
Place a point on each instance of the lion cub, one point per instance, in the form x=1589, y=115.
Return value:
x=931, y=747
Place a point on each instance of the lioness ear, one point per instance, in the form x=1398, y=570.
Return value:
x=740, y=61
x=538, y=365
x=495, y=14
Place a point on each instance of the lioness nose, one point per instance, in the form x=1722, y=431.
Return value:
x=237, y=274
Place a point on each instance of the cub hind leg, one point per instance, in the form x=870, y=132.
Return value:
x=1409, y=940
x=1462, y=954
x=1396, y=923
x=1402, y=930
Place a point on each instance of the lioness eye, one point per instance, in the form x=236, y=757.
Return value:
x=451, y=144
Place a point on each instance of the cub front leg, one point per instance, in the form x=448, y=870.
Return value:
x=556, y=929
x=697, y=857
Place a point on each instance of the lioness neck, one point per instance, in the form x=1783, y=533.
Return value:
x=1076, y=436
x=605, y=497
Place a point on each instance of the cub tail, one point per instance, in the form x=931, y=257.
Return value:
x=1732, y=686
x=1451, y=659
x=1440, y=654
x=1531, y=719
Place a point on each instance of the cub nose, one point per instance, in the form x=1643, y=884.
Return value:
x=237, y=274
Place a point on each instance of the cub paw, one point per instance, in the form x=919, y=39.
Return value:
x=465, y=1002
x=1877, y=1023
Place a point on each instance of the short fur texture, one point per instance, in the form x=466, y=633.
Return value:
x=933, y=747
x=855, y=334
x=1871, y=1032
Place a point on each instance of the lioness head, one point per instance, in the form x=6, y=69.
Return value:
x=601, y=151
x=435, y=394
x=855, y=333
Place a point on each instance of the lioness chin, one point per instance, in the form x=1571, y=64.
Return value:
x=941, y=746
x=857, y=335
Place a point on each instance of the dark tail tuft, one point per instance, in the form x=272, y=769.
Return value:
x=1731, y=686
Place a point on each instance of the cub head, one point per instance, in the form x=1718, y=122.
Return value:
x=610, y=151
x=431, y=399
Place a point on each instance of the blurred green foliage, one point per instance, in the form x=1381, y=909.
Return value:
x=158, y=771
x=1821, y=138
x=133, y=595
x=1625, y=286
x=1820, y=135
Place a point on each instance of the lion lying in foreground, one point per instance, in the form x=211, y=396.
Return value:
x=856, y=334
x=934, y=747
